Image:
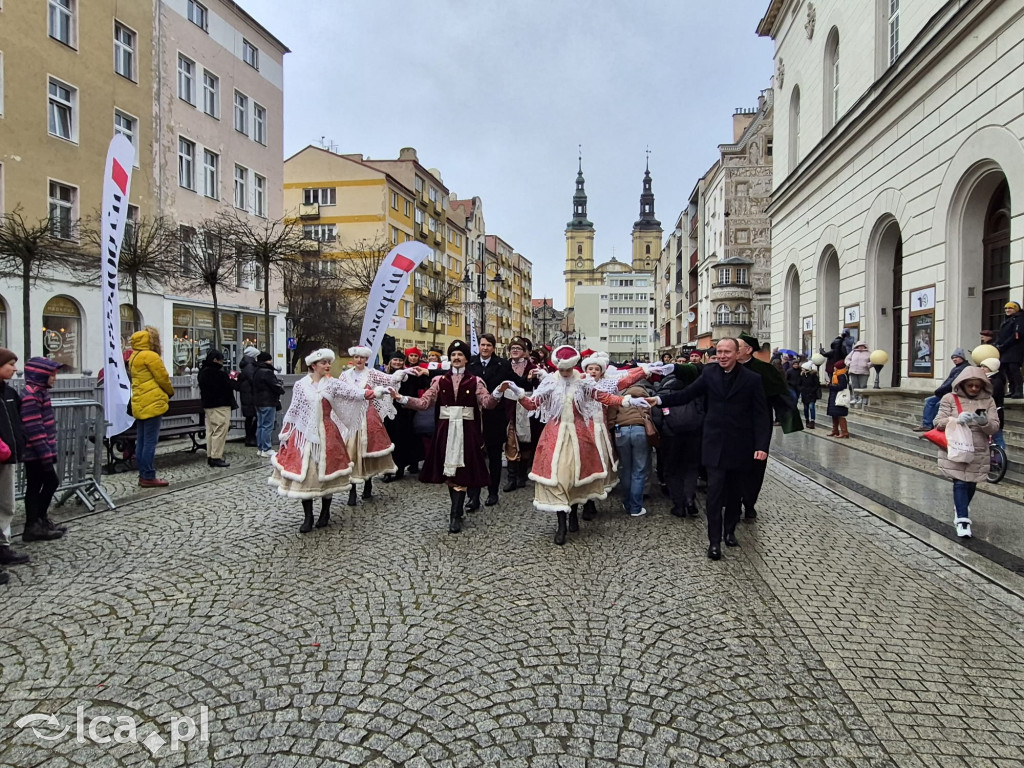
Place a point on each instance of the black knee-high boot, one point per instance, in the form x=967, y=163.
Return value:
x=589, y=510
x=307, y=511
x=560, y=533
x=574, y=521
x=473, y=500
x=352, y=495
x=455, y=517
x=368, y=489
x=513, y=470
x=325, y=512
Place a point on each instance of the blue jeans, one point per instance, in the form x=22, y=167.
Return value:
x=999, y=439
x=147, y=433
x=963, y=492
x=634, y=456
x=931, y=410
x=810, y=411
x=265, y=418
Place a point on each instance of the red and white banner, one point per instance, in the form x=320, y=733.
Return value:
x=474, y=343
x=388, y=287
x=117, y=181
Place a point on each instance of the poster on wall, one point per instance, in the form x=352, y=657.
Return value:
x=922, y=341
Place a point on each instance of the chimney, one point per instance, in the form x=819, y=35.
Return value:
x=741, y=119
x=408, y=153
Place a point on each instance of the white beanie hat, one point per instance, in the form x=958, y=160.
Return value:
x=360, y=352
x=992, y=364
x=320, y=354
x=598, y=358
x=250, y=351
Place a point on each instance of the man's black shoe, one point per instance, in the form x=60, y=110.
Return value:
x=677, y=512
x=4, y=577
x=9, y=557
x=691, y=509
x=492, y=499
x=750, y=514
x=217, y=463
x=730, y=540
x=714, y=552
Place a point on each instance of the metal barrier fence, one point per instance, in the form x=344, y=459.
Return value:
x=80, y=427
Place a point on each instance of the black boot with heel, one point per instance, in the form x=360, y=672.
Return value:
x=307, y=511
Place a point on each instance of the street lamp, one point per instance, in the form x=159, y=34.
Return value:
x=467, y=283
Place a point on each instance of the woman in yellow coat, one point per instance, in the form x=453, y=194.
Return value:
x=151, y=394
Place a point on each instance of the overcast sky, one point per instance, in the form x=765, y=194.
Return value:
x=497, y=94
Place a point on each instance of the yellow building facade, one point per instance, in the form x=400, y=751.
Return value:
x=348, y=203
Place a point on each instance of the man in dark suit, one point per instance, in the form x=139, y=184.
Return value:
x=736, y=434
x=493, y=370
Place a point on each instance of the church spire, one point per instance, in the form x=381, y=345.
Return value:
x=647, y=220
x=579, y=202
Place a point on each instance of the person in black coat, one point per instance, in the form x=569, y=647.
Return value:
x=737, y=429
x=12, y=432
x=266, y=394
x=217, y=391
x=493, y=370
x=1010, y=343
x=246, y=368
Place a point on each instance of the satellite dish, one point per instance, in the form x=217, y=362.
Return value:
x=691, y=317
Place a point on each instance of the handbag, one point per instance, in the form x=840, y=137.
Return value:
x=843, y=398
x=653, y=437
x=5, y=451
x=938, y=436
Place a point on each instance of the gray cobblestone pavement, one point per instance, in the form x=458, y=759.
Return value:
x=828, y=639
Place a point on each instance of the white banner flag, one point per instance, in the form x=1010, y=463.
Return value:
x=117, y=388
x=388, y=286
x=474, y=346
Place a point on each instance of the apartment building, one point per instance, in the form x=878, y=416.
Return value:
x=618, y=316
x=71, y=74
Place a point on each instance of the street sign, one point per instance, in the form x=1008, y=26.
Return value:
x=291, y=342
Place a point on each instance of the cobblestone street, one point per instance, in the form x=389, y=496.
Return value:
x=828, y=639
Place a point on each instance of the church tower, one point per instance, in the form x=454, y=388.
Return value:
x=646, y=230
x=579, y=243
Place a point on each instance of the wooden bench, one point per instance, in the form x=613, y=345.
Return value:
x=184, y=418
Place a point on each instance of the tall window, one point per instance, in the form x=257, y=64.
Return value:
x=124, y=51
x=722, y=314
x=211, y=174
x=61, y=21
x=62, y=210
x=724, y=276
x=259, y=189
x=741, y=276
x=126, y=125
x=186, y=79
x=995, y=291
x=198, y=14
x=894, y=30
x=241, y=113
x=831, y=84
x=63, y=104
x=186, y=163
x=794, y=129
x=250, y=54
x=211, y=94
x=241, y=187
x=259, y=123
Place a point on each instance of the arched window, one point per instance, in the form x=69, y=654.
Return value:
x=722, y=314
x=62, y=333
x=741, y=315
x=831, y=85
x=579, y=250
x=648, y=249
x=794, y=129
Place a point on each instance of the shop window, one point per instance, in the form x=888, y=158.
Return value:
x=62, y=325
x=131, y=321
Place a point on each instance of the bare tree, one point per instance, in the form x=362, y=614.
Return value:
x=149, y=255
x=356, y=265
x=319, y=309
x=207, y=261
x=440, y=300
x=32, y=250
x=270, y=244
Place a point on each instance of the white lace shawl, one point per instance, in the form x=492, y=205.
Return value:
x=301, y=424
x=554, y=388
x=371, y=377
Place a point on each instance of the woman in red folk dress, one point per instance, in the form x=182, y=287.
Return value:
x=568, y=467
x=369, y=445
x=313, y=461
x=457, y=455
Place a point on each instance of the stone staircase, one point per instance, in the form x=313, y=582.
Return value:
x=888, y=416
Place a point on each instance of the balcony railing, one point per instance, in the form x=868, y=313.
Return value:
x=734, y=323
x=731, y=285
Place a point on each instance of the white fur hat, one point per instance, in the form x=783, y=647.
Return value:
x=598, y=358
x=320, y=354
x=360, y=352
x=992, y=364
x=565, y=357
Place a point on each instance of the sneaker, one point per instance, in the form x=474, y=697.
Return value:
x=919, y=428
x=641, y=513
x=963, y=527
x=9, y=556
